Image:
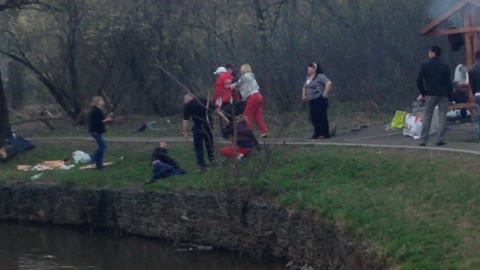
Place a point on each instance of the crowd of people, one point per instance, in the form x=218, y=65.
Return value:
x=238, y=102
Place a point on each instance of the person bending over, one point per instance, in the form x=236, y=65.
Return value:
x=246, y=140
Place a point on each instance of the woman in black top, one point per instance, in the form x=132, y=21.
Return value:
x=96, y=127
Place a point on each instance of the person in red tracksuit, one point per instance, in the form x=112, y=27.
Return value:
x=245, y=140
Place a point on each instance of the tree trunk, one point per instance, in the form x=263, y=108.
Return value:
x=5, y=129
x=15, y=85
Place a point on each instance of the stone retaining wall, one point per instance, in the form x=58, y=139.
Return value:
x=265, y=231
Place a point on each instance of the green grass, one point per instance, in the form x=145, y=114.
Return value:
x=420, y=209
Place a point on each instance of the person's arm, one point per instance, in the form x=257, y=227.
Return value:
x=185, y=128
x=222, y=115
x=186, y=122
x=328, y=88
x=420, y=81
x=304, y=92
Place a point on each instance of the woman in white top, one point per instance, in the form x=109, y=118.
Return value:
x=250, y=91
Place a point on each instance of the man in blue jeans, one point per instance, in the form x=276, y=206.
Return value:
x=96, y=127
x=163, y=165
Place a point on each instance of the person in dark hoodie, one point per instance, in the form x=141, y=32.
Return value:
x=245, y=140
x=163, y=165
x=96, y=128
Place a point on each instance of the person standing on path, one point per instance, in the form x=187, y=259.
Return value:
x=250, y=91
x=316, y=91
x=434, y=83
x=96, y=128
x=199, y=110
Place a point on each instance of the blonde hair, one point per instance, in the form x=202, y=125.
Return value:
x=96, y=100
x=245, y=68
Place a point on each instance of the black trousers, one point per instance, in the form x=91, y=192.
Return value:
x=319, y=117
x=202, y=136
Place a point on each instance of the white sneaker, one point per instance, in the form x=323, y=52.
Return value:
x=240, y=157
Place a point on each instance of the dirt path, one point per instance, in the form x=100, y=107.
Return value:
x=374, y=137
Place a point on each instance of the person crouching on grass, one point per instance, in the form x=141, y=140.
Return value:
x=163, y=165
x=246, y=139
x=96, y=128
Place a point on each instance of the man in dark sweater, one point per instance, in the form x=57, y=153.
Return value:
x=163, y=165
x=435, y=85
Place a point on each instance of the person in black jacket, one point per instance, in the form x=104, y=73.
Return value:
x=163, y=165
x=96, y=128
x=199, y=110
x=435, y=85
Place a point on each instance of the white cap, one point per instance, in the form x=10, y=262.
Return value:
x=220, y=70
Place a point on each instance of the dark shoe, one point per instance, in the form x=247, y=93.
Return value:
x=440, y=143
x=422, y=144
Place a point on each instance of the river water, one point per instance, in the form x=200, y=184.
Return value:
x=41, y=248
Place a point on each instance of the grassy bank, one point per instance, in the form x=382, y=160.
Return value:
x=419, y=208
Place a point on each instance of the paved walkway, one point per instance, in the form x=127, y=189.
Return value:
x=376, y=137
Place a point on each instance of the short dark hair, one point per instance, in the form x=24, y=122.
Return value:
x=477, y=55
x=229, y=66
x=436, y=50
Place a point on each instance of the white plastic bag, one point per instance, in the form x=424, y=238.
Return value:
x=413, y=126
x=81, y=157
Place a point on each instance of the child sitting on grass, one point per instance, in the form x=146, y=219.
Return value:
x=163, y=165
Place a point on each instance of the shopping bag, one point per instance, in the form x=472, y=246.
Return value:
x=398, y=120
x=413, y=126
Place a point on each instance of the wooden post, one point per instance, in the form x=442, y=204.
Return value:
x=468, y=37
x=473, y=20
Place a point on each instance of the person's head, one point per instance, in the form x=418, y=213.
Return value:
x=187, y=98
x=435, y=51
x=477, y=55
x=229, y=68
x=164, y=145
x=314, y=69
x=241, y=119
x=246, y=68
x=220, y=70
x=98, y=102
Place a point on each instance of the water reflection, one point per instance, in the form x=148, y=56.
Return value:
x=41, y=248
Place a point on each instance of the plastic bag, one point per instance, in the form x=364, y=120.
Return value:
x=398, y=120
x=81, y=157
x=413, y=126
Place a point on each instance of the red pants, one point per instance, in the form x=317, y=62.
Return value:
x=254, y=111
x=228, y=151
